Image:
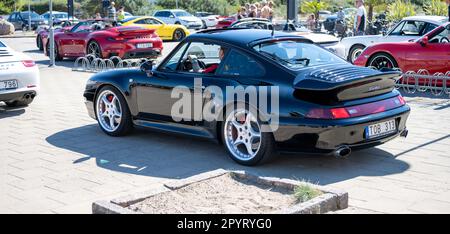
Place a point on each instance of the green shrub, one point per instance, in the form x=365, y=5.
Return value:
x=306, y=192
x=435, y=7
x=399, y=10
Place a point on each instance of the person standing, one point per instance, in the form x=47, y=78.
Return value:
x=121, y=14
x=265, y=10
x=253, y=11
x=112, y=14
x=271, y=6
x=360, y=18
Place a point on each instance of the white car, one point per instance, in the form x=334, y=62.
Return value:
x=409, y=28
x=19, y=77
x=209, y=19
x=179, y=17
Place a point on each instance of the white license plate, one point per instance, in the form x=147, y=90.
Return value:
x=381, y=129
x=144, y=45
x=8, y=84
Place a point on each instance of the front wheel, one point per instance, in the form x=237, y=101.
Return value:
x=112, y=112
x=244, y=140
x=58, y=57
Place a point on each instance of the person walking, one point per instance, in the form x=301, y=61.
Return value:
x=360, y=18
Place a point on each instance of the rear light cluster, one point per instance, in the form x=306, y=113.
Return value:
x=357, y=111
x=28, y=63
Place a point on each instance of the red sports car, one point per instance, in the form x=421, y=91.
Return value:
x=42, y=35
x=99, y=37
x=225, y=22
x=430, y=52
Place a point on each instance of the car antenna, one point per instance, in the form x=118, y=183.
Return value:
x=273, y=30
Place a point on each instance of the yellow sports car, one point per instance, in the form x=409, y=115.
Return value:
x=172, y=32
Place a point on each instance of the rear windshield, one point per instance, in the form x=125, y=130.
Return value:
x=297, y=54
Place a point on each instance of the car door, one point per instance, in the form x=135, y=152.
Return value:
x=157, y=96
x=12, y=19
x=433, y=57
x=71, y=43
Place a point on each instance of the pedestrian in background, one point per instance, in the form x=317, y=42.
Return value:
x=258, y=10
x=241, y=13
x=311, y=22
x=253, y=11
x=112, y=14
x=360, y=18
x=121, y=14
x=271, y=6
x=265, y=10
x=98, y=16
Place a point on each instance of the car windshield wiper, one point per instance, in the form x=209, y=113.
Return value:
x=301, y=60
x=274, y=57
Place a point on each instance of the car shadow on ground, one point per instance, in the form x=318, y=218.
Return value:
x=157, y=154
x=68, y=63
x=7, y=112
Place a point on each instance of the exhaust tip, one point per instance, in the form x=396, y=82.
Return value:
x=342, y=152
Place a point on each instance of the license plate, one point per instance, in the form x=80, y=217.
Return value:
x=8, y=84
x=144, y=45
x=380, y=129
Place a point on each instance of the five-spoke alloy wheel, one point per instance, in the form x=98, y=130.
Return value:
x=246, y=143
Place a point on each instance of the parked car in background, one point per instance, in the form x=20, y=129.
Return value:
x=174, y=32
x=58, y=17
x=99, y=38
x=409, y=28
x=208, y=19
x=179, y=17
x=430, y=52
x=323, y=96
x=226, y=21
x=19, y=77
x=43, y=33
x=20, y=20
x=325, y=40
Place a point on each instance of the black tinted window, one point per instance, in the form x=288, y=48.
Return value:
x=239, y=64
x=162, y=14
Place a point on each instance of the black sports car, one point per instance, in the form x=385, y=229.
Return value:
x=325, y=105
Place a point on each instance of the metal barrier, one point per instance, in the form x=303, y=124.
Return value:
x=423, y=81
x=90, y=63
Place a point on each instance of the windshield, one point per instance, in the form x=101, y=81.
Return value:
x=60, y=16
x=297, y=54
x=34, y=15
x=181, y=13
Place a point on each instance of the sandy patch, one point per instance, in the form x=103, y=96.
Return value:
x=220, y=195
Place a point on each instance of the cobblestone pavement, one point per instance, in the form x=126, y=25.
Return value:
x=55, y=159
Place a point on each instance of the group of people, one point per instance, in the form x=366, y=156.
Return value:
x=111, y=12
x=263, y=9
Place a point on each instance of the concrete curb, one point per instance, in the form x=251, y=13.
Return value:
x=330, y=200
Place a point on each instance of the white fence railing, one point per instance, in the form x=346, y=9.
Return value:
x=91, y=63
x=422, y=81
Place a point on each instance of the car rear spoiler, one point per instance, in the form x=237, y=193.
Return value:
x=336, y=86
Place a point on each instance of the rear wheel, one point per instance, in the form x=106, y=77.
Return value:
x=382, y=60
x=178, y=35
x=112, y=112
x=244, y=140
x=355, y=52
x=95, y=49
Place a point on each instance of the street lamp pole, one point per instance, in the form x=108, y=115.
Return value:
x=52, y=36
x=29, y=15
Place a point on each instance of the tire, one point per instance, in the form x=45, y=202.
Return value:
x=178, y=23
x=355, y=51
x=204, y=25
x=118, y=108
x=39, y=44
x=58, y=57
x=262, y=153
x=91, y=46
x=19, y=103
x=382, y=60
x=178, y=35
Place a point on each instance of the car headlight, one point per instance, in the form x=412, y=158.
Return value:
x=90, y=83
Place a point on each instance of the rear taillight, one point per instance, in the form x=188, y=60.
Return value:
x=356, y=111
x=28, y=63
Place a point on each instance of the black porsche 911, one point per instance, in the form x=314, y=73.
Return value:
x=325, y=105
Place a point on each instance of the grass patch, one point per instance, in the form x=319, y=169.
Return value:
x=305, y=192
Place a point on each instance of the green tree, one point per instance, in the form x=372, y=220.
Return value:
x=435, y=7
x=371, y=4
x=313, y=7
x=399, y=10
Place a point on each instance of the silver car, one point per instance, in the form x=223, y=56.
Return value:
x=179, y=17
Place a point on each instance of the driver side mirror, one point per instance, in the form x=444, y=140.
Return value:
x=147, y=67
x=424, y=41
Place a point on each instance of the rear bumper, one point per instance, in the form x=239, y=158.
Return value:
x=323, y=137
x=18, y=95
x=142, y=54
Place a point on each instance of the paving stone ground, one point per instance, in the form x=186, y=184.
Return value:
x=55, y=159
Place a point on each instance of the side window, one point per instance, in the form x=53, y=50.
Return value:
x=12, y=17
x=397, y=31
x=207, y=57
x=429, y=28
x=172, y=63
x=152, y=21
x=239, y=64
x=413, y=28
x=140, y=22
x=442, y=37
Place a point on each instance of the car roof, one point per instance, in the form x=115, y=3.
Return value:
x=241, y=37
x=428, y=18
